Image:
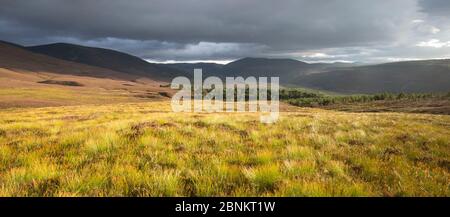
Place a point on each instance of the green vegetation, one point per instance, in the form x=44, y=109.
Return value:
x=144, y=149
x=431, y=103
x=314, y=99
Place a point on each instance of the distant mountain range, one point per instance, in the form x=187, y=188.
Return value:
x=287, y=69
x=411, y=76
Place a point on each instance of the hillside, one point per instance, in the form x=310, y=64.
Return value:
x=30, y=79
x=286, y=69
x=209, y=69
x=17, y=59
x=106, y=58
x=412, y=76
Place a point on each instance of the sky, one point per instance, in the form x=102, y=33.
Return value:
x=221, y=31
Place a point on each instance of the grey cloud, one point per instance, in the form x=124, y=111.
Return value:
x=290, y=23
x=436, y=7
x=194, y=29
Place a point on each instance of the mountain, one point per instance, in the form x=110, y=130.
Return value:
x=69, y=59
x=209, y=69
x=10, y=44
x=106, y=58
x=18, y=59
x=410, y=76
x=286, y=69
x=20, y=67
x=29, y=79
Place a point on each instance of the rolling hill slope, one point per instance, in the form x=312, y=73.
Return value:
x=286, y=69
x=17, y=59
x=412, y=76
x=107, y=58
x=29, y=79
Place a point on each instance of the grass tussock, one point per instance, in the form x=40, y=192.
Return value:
x=143, y=149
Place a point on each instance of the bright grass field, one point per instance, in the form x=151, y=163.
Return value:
x=144, y=149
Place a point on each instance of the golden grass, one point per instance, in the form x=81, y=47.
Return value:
x=21, y=97
x=144, y=149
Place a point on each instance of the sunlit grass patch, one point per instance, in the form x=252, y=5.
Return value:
x=264, y=178
x=36, y=178
x=262, y=157
x=105, y=142
x=143, y=149
x=335, y=168
x=301, y=169
x=299, y=152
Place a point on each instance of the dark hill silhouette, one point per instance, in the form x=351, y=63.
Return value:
x=209, y=69
x=15, y=58
x=286, y=69
x=106, y=58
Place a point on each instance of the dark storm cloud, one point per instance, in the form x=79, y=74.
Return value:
x=194, y=29
x=436, y=7
x=299, y=23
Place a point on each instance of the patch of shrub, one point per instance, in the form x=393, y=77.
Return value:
x=66, y=83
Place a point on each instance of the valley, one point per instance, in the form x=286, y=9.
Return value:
x=79, y=126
